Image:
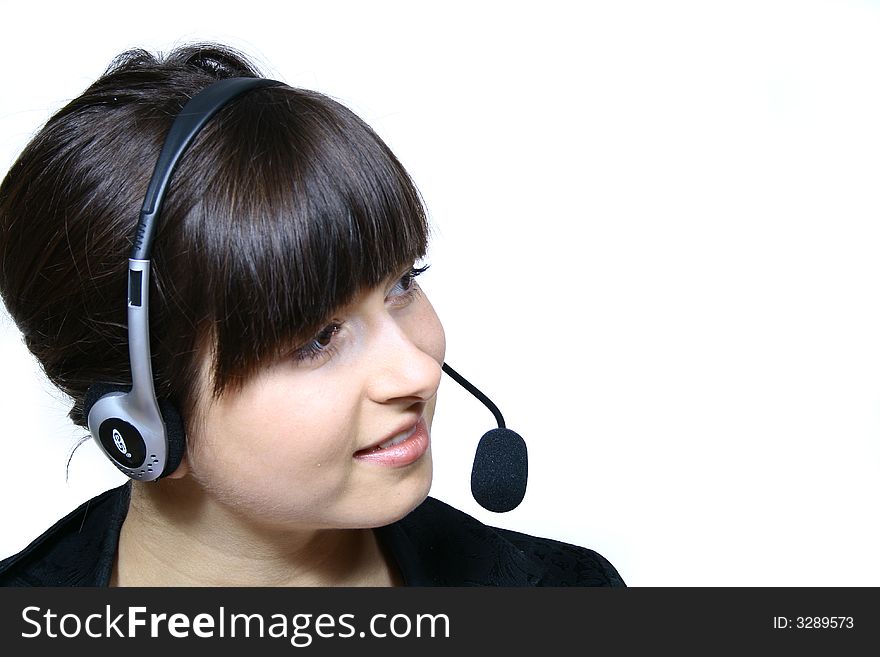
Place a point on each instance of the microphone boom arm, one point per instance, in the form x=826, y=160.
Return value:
x=476, y=393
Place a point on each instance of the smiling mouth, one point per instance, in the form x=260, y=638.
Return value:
x=401, y=449
x=391, y=442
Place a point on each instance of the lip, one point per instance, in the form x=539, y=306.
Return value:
x=403, y=453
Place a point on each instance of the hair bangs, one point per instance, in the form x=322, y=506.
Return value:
x=305, y=207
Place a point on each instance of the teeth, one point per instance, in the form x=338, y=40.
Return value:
x=396, y=440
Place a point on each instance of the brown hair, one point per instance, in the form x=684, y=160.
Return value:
x=283, y=208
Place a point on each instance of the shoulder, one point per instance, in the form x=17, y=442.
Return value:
x=438, y=545
x=78, y=550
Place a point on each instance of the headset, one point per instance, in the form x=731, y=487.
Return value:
x=145, y=437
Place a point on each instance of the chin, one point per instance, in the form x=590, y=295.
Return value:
x=403, y=498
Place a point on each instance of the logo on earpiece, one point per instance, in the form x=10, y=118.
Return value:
x=120, y=443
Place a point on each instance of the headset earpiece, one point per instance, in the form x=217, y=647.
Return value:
x=132, y=435
x=144, y=445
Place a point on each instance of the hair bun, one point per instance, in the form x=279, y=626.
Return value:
x=219, y=61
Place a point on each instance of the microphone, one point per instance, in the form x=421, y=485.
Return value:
x=501, y=464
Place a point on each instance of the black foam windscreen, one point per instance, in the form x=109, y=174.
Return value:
x=501, y=470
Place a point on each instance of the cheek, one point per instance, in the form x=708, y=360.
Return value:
x=271, y=446
x=427, y=330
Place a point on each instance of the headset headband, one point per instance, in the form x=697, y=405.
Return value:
x=191, y=119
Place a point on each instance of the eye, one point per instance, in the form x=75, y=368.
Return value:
x=325, y=336
x=405, y=285
x=321, y=345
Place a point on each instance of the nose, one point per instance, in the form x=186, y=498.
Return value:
x=406, y=362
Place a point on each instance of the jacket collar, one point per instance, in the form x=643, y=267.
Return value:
x=438, y=545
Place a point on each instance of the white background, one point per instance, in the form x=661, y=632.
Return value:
x=656, y=248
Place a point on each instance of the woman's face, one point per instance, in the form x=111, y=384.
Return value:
x=336, y=434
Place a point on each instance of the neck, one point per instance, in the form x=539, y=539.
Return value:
x=175, y=534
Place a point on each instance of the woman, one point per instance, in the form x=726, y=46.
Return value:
x=295, y=354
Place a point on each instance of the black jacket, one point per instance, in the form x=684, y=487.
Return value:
x=435, y=545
